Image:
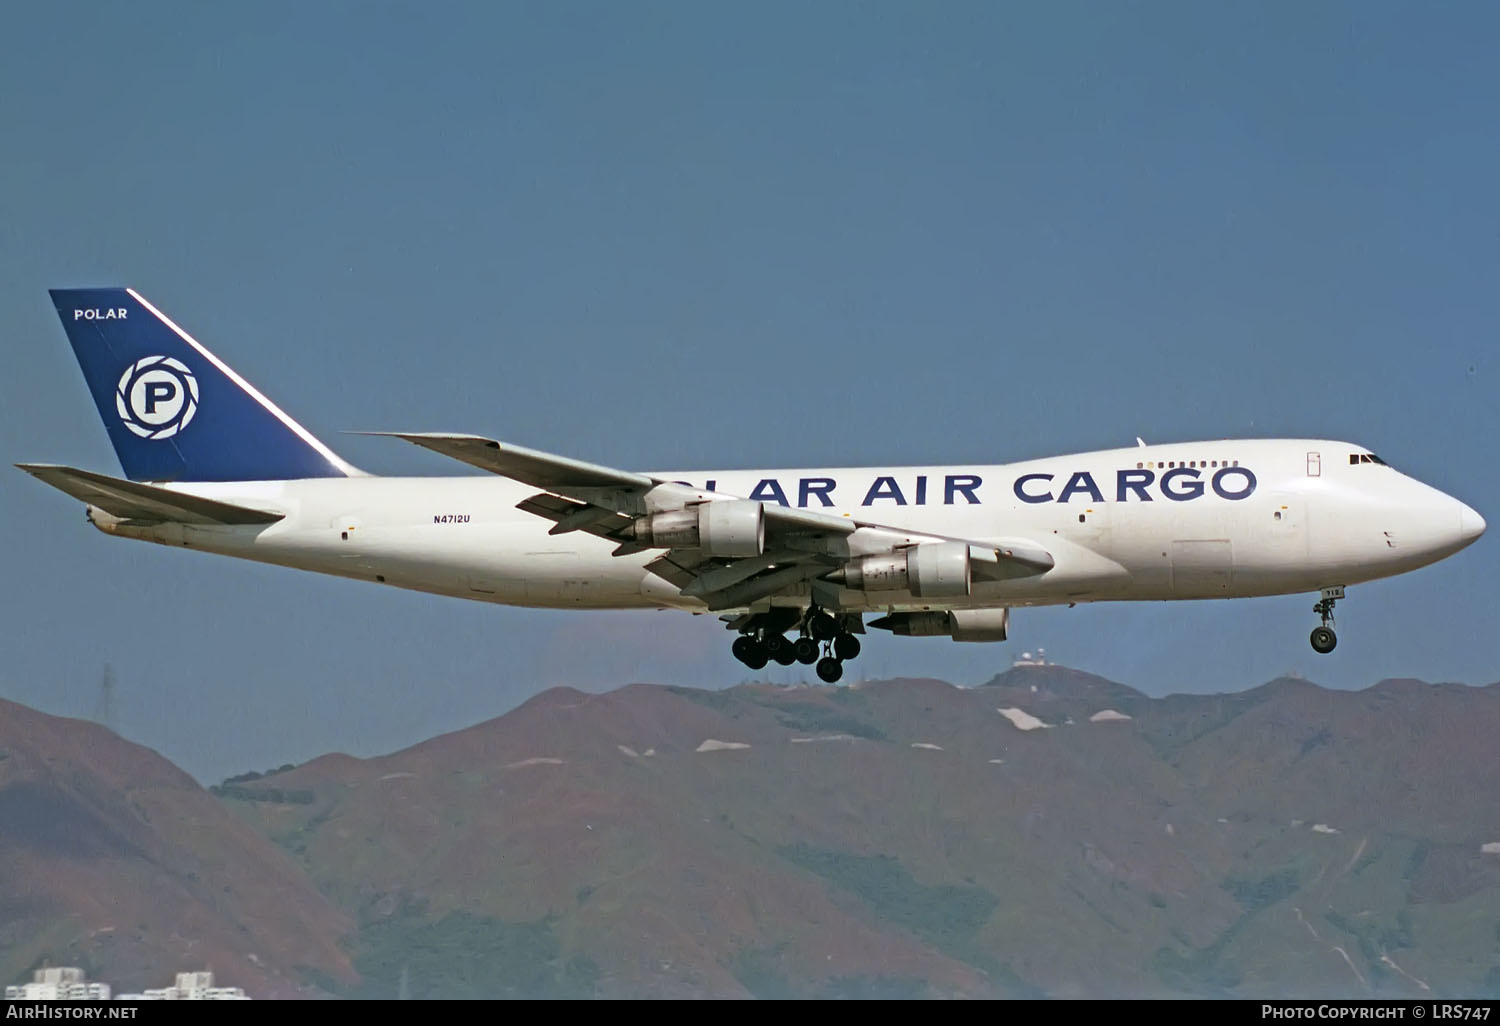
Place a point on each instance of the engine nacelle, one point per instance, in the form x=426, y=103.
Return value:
x=733, y=527
x=677, y=529
x=959, y=624
x=979, y=624
x=873, y=573
x=939, y=570
x=933, y=570
x=914, y=625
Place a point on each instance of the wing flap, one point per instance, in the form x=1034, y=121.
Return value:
x=763, y=585
x=680, y=567
x=130, y=500
x=571, y=515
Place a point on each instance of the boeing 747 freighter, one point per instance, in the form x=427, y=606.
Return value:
x=793, y=561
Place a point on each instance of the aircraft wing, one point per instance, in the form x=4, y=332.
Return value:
x=521, y=464
x=130, y=500
x=800, y=545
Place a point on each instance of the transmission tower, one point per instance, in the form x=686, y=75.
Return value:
x=104, y=707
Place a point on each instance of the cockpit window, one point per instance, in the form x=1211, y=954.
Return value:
x=1365, y=457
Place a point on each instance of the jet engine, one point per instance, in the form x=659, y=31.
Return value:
x=932, y=570
x=959, y=624
x=732, y=527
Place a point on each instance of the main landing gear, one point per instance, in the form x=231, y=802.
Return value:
x=824, y=640
x=1323, y=639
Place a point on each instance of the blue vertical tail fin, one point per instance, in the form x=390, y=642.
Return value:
x=173, y=410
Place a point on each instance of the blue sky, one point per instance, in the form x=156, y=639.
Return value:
x=682, y=235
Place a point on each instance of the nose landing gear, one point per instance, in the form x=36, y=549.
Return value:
x=1323, y=639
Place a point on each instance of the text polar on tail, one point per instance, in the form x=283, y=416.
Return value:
x=173, y=410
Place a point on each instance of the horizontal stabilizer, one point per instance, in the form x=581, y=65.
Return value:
x=130, y=500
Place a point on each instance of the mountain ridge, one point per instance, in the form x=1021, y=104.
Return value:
x=113, y=857
x=1049, y=832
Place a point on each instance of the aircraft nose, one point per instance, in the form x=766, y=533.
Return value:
x=1470, y=524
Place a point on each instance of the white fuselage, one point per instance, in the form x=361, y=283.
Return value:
x=1184, y=521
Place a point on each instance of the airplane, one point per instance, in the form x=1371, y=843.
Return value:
x=792, y=561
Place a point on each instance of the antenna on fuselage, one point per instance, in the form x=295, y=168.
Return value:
x=1140, y=441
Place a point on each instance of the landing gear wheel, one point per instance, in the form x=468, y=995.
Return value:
x=806, y=651
x=846, y=646
x=1323, y=640
x=830, y=669
x=822, y=627
x=750, y=652
x=780, y=649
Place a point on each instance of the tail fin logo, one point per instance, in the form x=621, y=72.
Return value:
x=157, y=397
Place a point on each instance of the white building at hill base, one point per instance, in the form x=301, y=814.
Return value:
x=62, y=983
x=190, y=987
